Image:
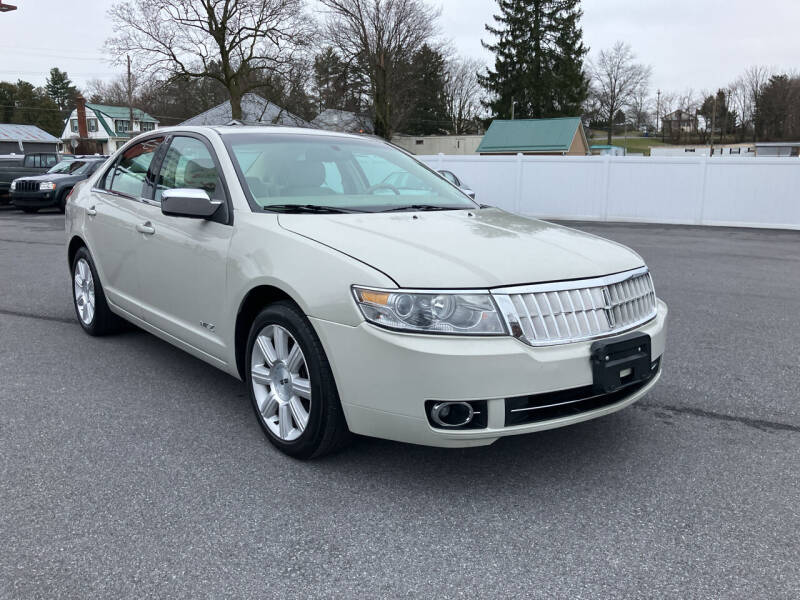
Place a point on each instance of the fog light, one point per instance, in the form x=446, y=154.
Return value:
x=452, y=414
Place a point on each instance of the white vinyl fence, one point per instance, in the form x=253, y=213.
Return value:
x=743, y=192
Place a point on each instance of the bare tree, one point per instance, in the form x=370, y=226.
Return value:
x=615, y=79
x=379, y=37
x=114, y=91
x=463, y=92
x=640, y=106
x=754, y=80
x=225, y=40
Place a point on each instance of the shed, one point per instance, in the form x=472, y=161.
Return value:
x=777, y=148
x=608, y=150
x=21, y=139
x=562, y=136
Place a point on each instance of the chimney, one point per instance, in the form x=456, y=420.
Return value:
x=83, y=130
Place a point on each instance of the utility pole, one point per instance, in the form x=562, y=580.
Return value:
x=512, y=107
x=713, y=118
x=130, y=99
x=658, y=109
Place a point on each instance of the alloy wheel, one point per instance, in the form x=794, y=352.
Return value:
x=281, y=382
x=84, y=291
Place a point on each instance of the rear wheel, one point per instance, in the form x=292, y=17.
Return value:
x=291, y=384
x=90, y=302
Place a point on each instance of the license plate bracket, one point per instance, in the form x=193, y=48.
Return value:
x=620, y=361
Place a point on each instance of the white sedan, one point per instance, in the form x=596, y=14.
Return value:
x=350, y=304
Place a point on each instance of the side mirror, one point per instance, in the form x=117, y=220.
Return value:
x=186, y=202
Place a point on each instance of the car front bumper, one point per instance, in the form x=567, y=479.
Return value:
x=33, y=199
x=384, y=379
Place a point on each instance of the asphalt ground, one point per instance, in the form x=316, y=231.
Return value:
x=130, y=469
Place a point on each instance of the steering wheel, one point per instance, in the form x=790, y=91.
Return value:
x=379, y=186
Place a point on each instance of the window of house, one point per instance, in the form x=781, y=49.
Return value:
x=129, y=174
x=147, y=126
x=419, y=142
x=91, y=125
x=122, y=126
x=73, y=125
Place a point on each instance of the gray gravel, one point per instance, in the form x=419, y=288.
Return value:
x=130, y=469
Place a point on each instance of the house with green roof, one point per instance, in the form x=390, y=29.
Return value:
x=102, y=129
x=563, y=136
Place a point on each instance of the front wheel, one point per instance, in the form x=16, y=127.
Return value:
x=87, y=295
x=291, y=384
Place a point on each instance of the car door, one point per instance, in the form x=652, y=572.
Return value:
x=113, y=217
x=183, y=261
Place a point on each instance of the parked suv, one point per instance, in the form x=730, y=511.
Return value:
x=13, y=167
x=52, y=188
x=348, y=303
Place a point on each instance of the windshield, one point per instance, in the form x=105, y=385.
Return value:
x=73, y=167
x=284, y=172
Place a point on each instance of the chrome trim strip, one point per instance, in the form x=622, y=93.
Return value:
x=573, y=284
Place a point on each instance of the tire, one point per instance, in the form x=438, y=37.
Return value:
x=61, y=205
x=95, y=317
x=278, y=380
x=29, y=209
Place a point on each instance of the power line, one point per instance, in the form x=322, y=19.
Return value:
x=68, y=110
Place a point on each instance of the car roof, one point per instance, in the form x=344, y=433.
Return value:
x=225, y=130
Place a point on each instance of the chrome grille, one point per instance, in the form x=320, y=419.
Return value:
x=571, y=311
x=27, y=186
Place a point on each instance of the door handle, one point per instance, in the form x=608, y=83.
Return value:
x=91, y=211
x=146, y=228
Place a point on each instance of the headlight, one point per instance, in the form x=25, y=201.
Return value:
x=434, y=312
x=47, y=186
x=13, y=185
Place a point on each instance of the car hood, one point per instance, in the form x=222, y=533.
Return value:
x=51, y=177
x=464, y=249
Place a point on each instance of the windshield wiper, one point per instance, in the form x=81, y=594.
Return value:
x=309, y=208
x=420, y=207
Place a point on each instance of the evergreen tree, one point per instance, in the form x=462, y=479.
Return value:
x=538, y=59
x=336, y=84
x=429, y=113
x=59, y=88
x=26, y=104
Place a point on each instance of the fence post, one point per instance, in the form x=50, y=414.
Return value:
x=606, y=185
x=701, y=209
x=518, y=199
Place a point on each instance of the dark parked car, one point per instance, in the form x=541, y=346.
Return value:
x=13, y=167
x=51, y=189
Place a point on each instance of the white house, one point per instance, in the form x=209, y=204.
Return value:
x=102, y=129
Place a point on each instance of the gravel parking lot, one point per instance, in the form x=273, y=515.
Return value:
x=130, y=469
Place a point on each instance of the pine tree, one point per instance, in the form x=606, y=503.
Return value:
x=429, y=114
x=538, y=59
x=60, y=89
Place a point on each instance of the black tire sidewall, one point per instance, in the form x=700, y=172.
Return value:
x=61, y=205
x=323, y=391
x=102, y=314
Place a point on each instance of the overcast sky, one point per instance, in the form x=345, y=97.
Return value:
x=699, y=44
